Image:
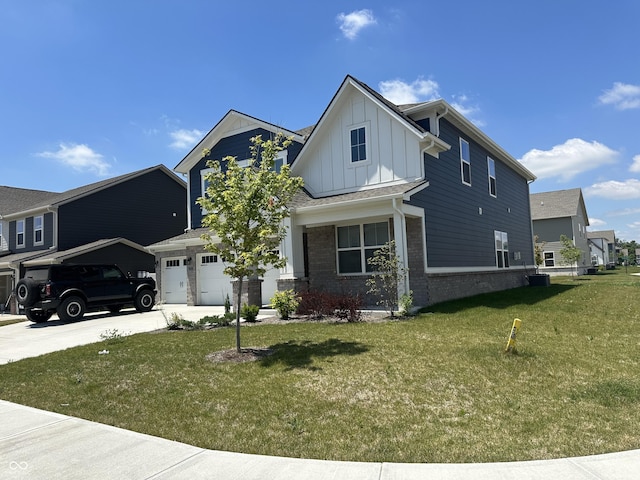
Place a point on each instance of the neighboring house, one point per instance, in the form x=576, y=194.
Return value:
x=456, y=204
x=557, y=213
x=602, y=245
x=104, y=222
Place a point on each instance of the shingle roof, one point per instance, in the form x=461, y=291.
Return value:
x=303, y=199
x=608, y=235
x=14, y=199
x=556, y=204
x=55, y=199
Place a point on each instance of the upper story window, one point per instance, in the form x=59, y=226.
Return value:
x=465, y=162
x=502, y=249
x=358, y=143
x=19, y=233
x=491, y=170
x=357, y=243
x=280, y=160
x=2, y=245
x=38, y=229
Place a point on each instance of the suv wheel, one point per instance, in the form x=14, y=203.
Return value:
x=38, y=316
x=26, y=292
x=71, y=308
x=144, y=300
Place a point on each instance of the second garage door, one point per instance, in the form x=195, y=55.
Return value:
x=213, y=284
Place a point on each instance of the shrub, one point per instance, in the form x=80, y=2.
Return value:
x=285, y=302
x=405, y=303
x=249, y=312
x=316, y=304
x=178, y=322
x=319, y=304
x=348, y=307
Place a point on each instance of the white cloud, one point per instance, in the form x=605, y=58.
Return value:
x=635, y=166
x=622, y=96
x=461, y=104
x=80, y=158
x=183, y=139
x=624, y=212
x=596, y=223
x=615, y=190
x=572, y=158
x=399, y=92
x=352, y=23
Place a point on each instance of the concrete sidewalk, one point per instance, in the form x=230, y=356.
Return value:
x=35, y=444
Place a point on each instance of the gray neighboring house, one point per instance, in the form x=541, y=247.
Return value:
x=602, y=245
x=556, y=213
x=454, y=201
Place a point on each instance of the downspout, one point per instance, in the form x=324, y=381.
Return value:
x=438, y=117
x=404, y=286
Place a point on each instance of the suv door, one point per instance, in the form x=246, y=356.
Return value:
x=104, y=284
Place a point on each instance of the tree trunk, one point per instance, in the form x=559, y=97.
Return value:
x=238, y=307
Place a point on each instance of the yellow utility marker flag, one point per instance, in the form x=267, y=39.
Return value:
x=511, y=343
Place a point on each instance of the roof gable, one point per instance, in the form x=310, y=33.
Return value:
x=350, y=84
x=232, y=123
x=558, y=204
x=58, y=199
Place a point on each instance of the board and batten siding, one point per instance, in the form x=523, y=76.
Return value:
x=393, y=151
x=238, y=146
x=460, y=220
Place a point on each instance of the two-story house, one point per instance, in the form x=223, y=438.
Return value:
x=105, y=222
x=454, y=201
x=602, y=245
x=557, y=213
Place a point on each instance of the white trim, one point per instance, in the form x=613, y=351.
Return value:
x=491, y=161
x=24, y=234
x=463, y=161
x=41, y=229
x=367, y=144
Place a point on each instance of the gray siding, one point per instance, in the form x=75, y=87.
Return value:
x=458, y=235
x=141, y=209
x=29, y=246
x=235, y=146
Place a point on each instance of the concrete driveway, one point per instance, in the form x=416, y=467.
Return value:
x=27, y=339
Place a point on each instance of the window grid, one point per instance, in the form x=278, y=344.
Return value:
x=465, y=162
x=358, y=144
x=502, y=249
x=38, y=230
x=20, y=233
x=491, y=169
x=357, y=243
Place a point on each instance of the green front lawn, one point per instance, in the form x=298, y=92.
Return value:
x=434, y=388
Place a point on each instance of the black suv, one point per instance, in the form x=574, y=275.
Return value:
x=70, y=290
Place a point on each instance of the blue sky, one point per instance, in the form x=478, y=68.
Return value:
x=93, y=88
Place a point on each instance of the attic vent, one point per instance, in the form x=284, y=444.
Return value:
x=541, y=203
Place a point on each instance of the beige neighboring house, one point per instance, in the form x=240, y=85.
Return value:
x=557, y=213
x=602, y=245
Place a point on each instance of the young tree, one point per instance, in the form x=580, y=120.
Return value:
x=390, y=273
x=569, y=252
x=246, y=207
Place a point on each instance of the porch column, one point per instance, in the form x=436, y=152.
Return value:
x=400, y=236
x=292, y=248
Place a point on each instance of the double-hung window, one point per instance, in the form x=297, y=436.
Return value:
x=20, y=233
x=465, y=162
x=358, y=143
x=549, y=259
x=38, y=229
x=357, y=243
x=502, y=249
x=491, y=170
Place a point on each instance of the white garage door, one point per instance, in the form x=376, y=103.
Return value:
x=174, y=280
x=213, y=284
